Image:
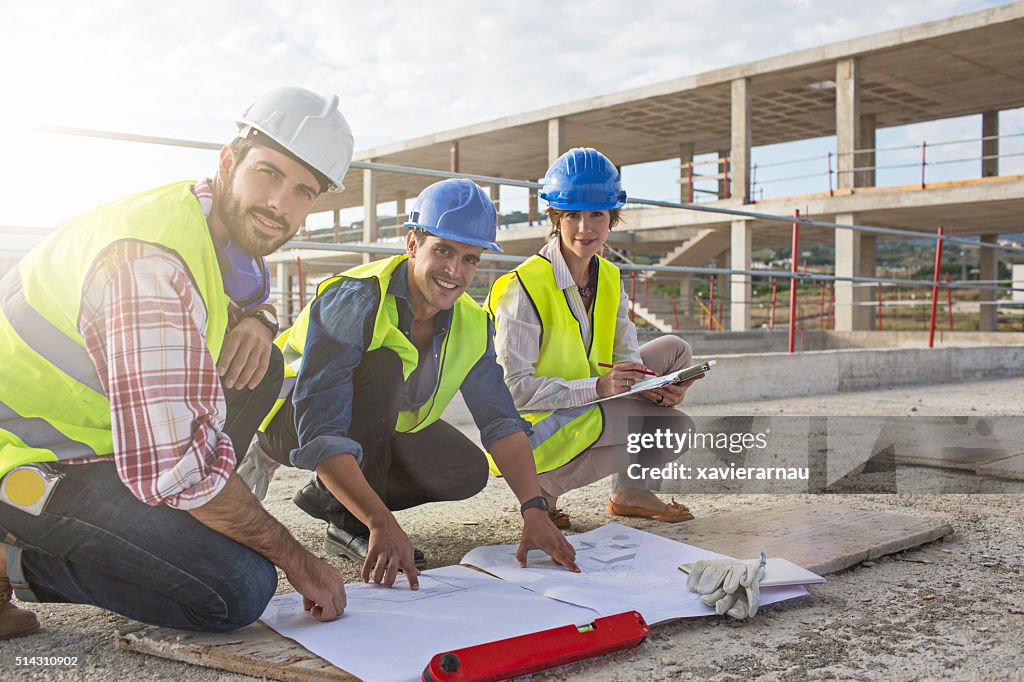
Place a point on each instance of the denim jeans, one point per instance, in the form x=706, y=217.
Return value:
x=96, y=543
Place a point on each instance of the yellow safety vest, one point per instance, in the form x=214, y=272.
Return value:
x=52, y=404
x=464, y=344
x=560, y=436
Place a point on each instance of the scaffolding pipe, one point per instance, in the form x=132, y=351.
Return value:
x=793, y=279
x=775, y=287
x=935, y=288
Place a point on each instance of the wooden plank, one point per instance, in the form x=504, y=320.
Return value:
x=254, y=650
x=823, y=538
x=954, y=457
x=1011, y=467
x=820, y=537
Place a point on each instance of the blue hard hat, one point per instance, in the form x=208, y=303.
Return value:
x=459, y=210
x=583, y=179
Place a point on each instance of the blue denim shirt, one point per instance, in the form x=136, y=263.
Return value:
x=340, y=329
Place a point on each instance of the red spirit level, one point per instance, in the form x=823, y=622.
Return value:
x=515, y=656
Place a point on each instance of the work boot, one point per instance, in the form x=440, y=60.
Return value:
x=342, y=543
x=14, y=622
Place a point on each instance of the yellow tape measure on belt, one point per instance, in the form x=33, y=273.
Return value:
x=29, y=487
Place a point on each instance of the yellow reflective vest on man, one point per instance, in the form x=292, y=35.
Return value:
x=560, y=436
x=464, y=344
x=52, y=404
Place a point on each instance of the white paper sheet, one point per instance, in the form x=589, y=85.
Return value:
x=392, y=633
x=622, y=569
x=657, y=382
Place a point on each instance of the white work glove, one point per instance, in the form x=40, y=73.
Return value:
x=731, y=587
x=257, y=469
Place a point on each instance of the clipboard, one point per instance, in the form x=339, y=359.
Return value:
x=652, y=383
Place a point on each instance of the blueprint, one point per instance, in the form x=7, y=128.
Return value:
x=622, y=569
x=392, y=633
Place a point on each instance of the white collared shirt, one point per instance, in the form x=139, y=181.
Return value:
x=518, y=334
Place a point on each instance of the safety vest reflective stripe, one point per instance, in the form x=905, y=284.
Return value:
x=37, y=433
x=44, y=338
x=553, y=422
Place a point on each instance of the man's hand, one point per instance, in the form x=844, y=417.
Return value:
x=389, y=551
x=321, y=585
x=245, y=356
x=237, y=514
x=540, y=533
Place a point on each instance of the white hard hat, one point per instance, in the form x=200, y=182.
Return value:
x=306, y=125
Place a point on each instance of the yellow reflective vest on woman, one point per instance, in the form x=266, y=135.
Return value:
x=464, y=344
x=560, y=436
x=52, y=404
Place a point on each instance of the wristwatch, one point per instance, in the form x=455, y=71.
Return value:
x=268, y=318
x=539, y=502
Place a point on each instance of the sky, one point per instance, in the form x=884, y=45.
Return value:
x=185, y=69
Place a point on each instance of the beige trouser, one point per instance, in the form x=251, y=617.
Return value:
x=608, y=455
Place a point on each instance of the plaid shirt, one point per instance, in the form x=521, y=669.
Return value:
x=144, y=326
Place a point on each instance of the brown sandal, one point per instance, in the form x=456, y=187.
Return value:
x=672, y=513
x=559, y=518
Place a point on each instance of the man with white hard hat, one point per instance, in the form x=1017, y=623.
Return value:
x=135, y=362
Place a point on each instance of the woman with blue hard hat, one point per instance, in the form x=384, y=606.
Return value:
x=565, y=340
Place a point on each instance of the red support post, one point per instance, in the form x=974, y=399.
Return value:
x=879, y=323
x=832, y=305
x=711, y=304
x=830, y=193
x=632, y=296
x=935, y=289
x=775, y=287
x=792, y=281
x=302, y=283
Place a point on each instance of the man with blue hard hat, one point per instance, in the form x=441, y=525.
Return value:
x=134, y=356
x=375, y=358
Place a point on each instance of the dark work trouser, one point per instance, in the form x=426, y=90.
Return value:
x=404, y=469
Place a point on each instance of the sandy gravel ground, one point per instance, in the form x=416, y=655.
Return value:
x=870, y=622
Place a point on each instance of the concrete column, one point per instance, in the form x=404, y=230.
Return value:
x=849, y=263
x=532, y=213
x=453, y=157
x=284, y=287
x=847, y=120
x=685, y=157
x=556, y=139
x=739, y=285
x=721, y=289
x=495, y=193
x=337, y=225
x=868, y=127
x=990, y=148
x=866, y=315
x=988, y=314
x=724, y=189
x=371, y=231
x=400, y=214
x=741, y=140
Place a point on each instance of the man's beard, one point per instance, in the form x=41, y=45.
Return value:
x=233, y=217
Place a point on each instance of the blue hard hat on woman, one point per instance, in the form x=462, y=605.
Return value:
x=583, y=179
x=459, y=210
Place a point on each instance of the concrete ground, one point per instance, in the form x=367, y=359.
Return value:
x=952, y=609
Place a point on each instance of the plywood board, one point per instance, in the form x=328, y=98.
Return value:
x=955, y=457
x=254, y=650
x=1011, y=467
x=822, y=538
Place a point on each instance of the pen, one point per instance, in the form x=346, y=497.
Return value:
x=645, y=371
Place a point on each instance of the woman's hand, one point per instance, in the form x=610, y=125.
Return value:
x=620, y=379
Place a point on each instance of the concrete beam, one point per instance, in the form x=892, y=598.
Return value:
x=741, y=243
x=556, y=139
x=741, y=140
x=685, y=171
x=371, y=230
x=847, y=120
x=988, y=270
x=990, y=146
x=866, y=157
